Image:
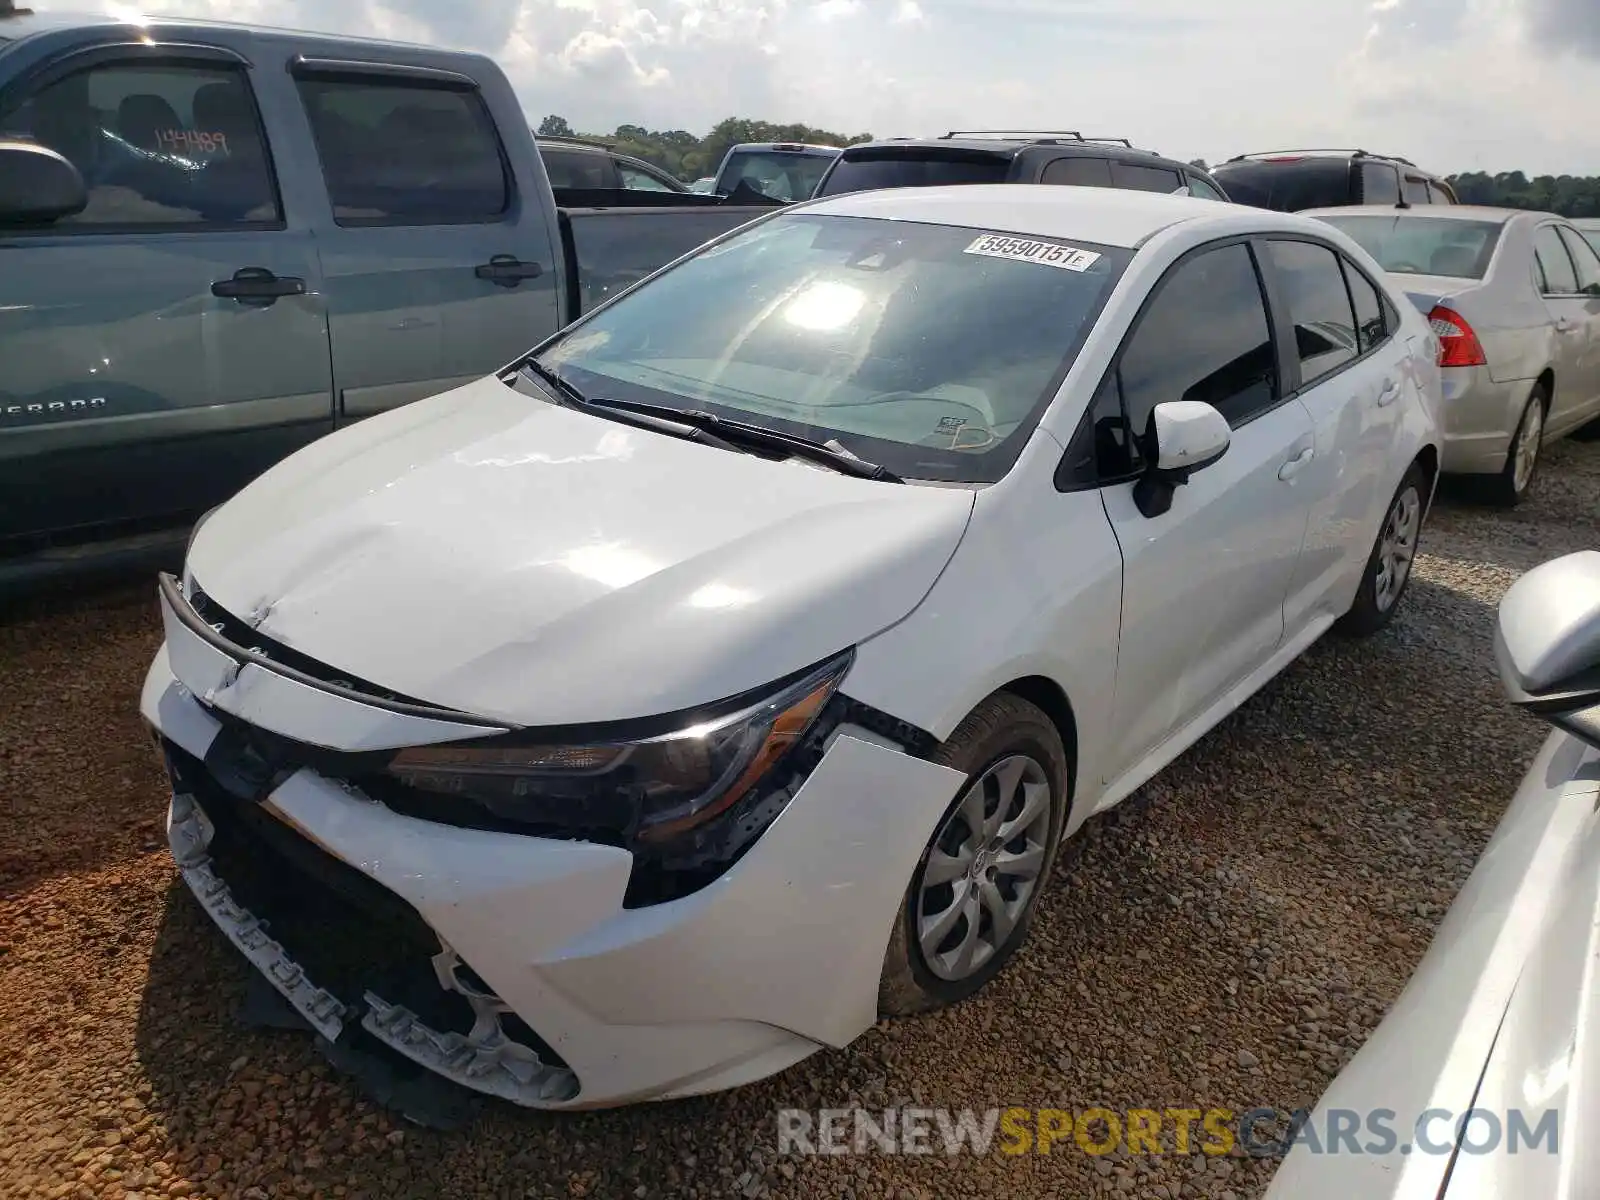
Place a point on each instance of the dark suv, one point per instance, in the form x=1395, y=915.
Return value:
x=1012, y=156
x=1291, y=180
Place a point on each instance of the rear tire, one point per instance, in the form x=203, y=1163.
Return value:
x=964, y=913
x=1510, y=488
x=1389, y=566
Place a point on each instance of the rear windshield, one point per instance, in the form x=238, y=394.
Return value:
x=897, y=169
x=783, y=175
x=931, y=349
x=1417, y=245
x=1289, y=185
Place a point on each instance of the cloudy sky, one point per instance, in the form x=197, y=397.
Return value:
x=1453, y=84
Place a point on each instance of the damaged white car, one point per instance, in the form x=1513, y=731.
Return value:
x=647, y=717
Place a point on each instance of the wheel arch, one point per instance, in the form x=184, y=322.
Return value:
x=1050, y=698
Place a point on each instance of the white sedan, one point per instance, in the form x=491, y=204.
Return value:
x=727, y=673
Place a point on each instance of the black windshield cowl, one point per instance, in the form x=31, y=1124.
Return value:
x=756, y=437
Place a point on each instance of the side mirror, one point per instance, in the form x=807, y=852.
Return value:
x=1547, y=643
x=1183, y=436
x=37, y=185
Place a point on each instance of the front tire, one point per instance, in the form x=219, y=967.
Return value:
x=1388, y=572
x=972, y=896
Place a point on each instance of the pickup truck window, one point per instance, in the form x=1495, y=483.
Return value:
x=399, y=152
x=162, y=145
x=930, y=349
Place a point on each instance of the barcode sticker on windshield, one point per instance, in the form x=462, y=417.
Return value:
x=1048, y=254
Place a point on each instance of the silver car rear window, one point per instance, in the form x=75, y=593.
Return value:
x=1408, y=244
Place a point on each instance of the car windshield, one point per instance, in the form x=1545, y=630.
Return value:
x=781, y=174
x=1416, y=245
x=930, y=349
x=869, y=170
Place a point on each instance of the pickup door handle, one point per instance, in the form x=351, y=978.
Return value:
x=257, y=285
x=1291, y=468
x=507, y=270
x=1390, y=393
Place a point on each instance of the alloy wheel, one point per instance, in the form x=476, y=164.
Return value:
x=1526, y=451
x=983, y=868
x=1397, y=547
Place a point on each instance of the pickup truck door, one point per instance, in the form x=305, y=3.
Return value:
x=436, y=255
x=168, y=343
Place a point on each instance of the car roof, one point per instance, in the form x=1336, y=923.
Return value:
x=786, y=147
x=1002, y=147
x=1109, y=216
x=21, y=24
x=1446, y=212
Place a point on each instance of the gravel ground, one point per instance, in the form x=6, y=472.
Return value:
x=1226, y=939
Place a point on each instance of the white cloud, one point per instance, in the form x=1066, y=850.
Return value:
x=1452, y=84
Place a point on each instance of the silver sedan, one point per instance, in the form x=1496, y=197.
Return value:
x=1485, y=1074
x=1514, y=298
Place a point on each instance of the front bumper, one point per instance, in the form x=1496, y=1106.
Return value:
x=775, y=959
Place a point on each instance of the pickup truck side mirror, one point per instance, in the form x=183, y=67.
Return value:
x=1182, y=437
x=1547, y=643
x=37, y=185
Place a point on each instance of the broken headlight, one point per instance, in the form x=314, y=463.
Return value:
x=647, y=790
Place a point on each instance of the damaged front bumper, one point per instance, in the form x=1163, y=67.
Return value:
x=558, y=996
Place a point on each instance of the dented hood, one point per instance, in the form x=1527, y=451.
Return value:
x=502, y=556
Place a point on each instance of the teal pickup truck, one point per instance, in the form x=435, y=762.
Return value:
x=219, y=243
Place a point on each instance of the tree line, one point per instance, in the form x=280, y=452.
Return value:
x=689, y=157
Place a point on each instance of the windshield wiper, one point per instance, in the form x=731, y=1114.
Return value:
x=664, y=420
x=829, y=453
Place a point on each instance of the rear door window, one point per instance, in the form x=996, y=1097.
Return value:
x=892, y=170
x=1555, y=264
x=1078, y=171
x=399, y=152
x=1141, y=178
x=1437, y=194
x=1583, y=257
x=1380, y=184
x=1372, y=323
x=1204, y=337
x=1319, y=306
x=1199, y=187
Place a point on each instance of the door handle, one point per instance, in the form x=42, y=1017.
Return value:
x=1291, y=468
x=258, y=286
x=1390, y=393
x=1565, y=325
x=507, y=270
